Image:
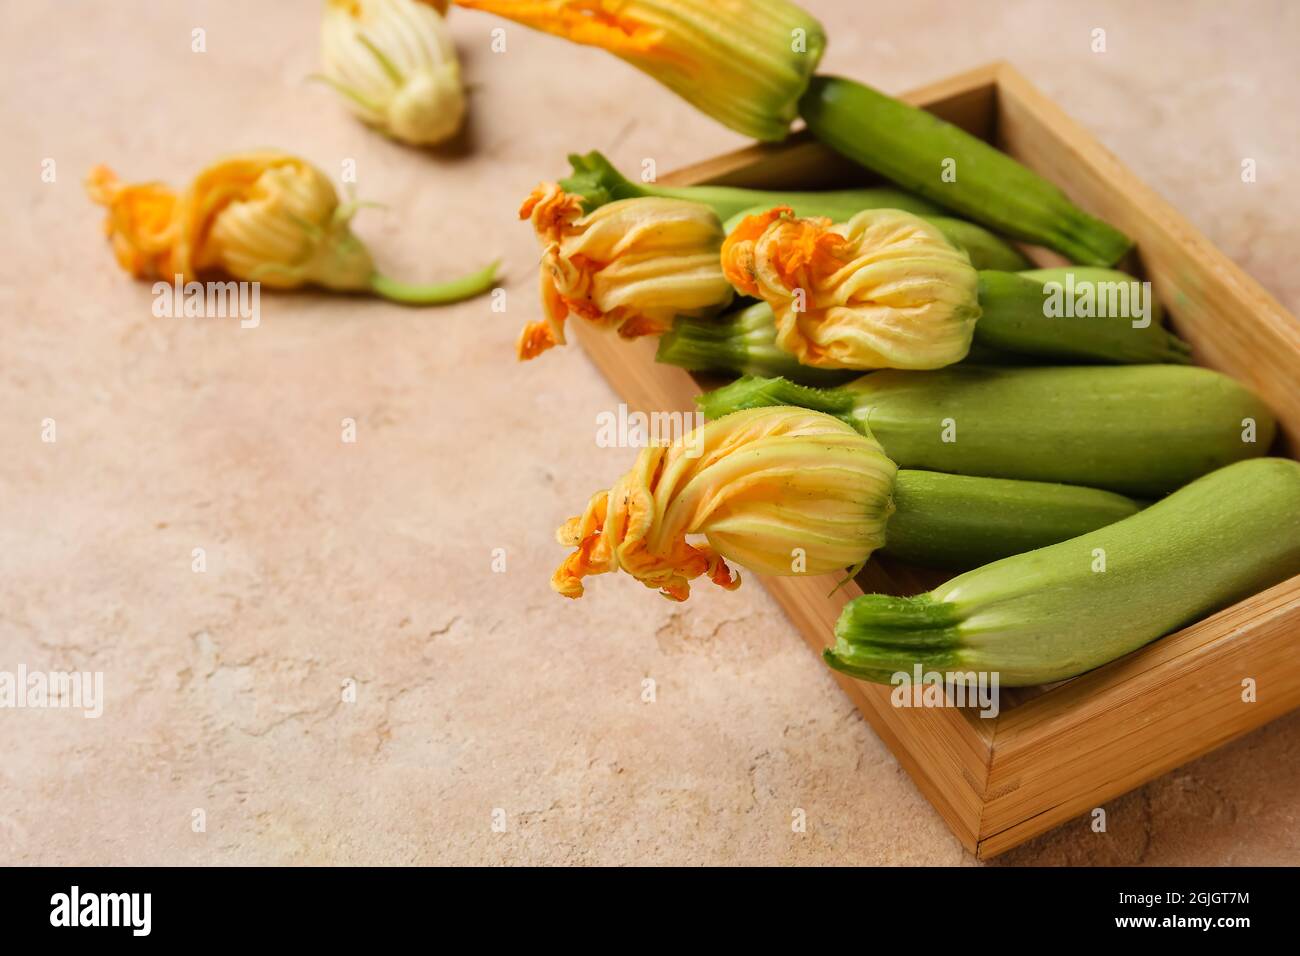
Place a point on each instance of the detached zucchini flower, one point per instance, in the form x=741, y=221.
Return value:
x=395, y=63
x=781, y=491
x=632, y=266
x=743, y=62
x=267, y=217
x=883, y=290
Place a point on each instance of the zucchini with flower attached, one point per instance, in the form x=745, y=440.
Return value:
x=886, y=289
x=1141, y=430
x=1012, y=329
x=788, y=491
x=1062, y=610
x=596, y=182
x=942, y=162
x=754, y=78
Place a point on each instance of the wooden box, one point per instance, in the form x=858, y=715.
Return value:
x=1053, y=753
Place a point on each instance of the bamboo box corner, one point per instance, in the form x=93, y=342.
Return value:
x=1052, y=753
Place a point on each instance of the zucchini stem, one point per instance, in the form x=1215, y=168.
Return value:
x=743, y=341
x=879, y=635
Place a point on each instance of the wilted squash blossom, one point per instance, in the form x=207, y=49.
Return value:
x=395, y=63
x=779, y=490
x=884, y=290
x=632, y=265
x=267, y=217
x=743, y=62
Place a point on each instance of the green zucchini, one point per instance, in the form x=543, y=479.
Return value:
x=1014, y=318
x=915, y=149
x=957, y=522
x=1065, y=609
x=1140, y=430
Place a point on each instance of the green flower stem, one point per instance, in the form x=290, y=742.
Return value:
x=435, y=293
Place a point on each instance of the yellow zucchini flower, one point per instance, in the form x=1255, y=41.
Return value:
x=632, y=265
x=883, y=290
x=743, y=62
x=395, y=63
x=779, y=490
x=267, y=217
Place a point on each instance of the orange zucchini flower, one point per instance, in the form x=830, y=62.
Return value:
x=779, y=490
x=884, y=290
x=632, y=265
x=267, y=217
x=743, y=62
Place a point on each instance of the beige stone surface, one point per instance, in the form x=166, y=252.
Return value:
x=372, y=561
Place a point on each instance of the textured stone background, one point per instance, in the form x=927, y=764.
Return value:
x=372, y=561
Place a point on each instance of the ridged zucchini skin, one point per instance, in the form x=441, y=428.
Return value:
x=1140, y=430
x=1060, y=611
x=955, y=522
x=909, y=146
